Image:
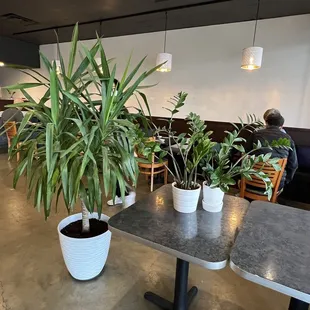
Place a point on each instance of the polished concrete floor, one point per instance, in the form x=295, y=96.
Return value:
x=34, y=277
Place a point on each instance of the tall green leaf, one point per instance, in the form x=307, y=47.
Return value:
x=74, y=42
x=49, y=145
x=54, y=89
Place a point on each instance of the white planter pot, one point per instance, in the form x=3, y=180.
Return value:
x=185, y=201
x=212, y=198
x=84, y=258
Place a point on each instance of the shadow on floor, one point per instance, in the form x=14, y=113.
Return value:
x=134, y=299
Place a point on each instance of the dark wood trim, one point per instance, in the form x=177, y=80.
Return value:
x=301, y=136
x=4, y=102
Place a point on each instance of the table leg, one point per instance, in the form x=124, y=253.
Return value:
x=162, y=303
x=182, y=298
x=296, y=304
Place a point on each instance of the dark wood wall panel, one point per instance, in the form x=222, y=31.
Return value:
x=4, y=102
x=301, y=136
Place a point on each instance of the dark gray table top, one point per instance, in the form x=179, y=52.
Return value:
x=201, y=237
x=273, y=249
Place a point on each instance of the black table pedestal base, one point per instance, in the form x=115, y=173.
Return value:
x=182, y=298
x=167, y=305
x=296, y=304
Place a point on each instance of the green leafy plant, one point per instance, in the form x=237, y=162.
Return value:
x=218, y=169
x=83, y=142
x=192, y=148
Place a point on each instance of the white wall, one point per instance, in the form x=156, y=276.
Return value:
x=206, y=64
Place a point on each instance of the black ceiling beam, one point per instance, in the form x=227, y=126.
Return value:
x=204, y=3
x=19, y=53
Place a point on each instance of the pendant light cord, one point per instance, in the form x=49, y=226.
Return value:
x=165, y=32
x=257, y=13
x=57, y=54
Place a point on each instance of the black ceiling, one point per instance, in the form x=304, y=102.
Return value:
x=34, y=20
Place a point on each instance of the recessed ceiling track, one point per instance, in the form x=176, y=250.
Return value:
x=204, y=3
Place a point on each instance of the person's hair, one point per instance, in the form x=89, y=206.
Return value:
x=270, y=112
x=275, y=120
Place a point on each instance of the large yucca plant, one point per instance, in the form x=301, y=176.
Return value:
x=81, y=143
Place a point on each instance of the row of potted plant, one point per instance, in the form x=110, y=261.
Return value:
x=82, y=145
x=197, y=151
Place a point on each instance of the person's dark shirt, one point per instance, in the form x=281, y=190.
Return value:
x=270, y=134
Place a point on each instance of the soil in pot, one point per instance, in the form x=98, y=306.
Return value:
x=74, y=229
x=187, y=189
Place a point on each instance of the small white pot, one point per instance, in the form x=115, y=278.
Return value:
x=185, y=200
x=212, y=198
x=84, y=258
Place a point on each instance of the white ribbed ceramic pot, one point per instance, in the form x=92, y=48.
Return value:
x=84, y=258
x=185, y=200
x=212, y=198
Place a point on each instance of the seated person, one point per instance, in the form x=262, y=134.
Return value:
x=272, y=111
x=269, y=112
x=13, y=114
x=273, y=131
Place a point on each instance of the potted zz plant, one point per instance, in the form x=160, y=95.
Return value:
x=186, y=153
x=220, y=172
x=77, y=147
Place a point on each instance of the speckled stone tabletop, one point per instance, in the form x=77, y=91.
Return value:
x=201, y=237
x=273, y=249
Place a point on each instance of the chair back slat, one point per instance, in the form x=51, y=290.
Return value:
x=274, y=176
x=139, y=154
x=270, y=171
x=11, y=130
x=149, y=169
x=255, y=182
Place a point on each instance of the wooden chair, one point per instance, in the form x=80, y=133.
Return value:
x=153, y=167
x=11, y=131
x=255, y=189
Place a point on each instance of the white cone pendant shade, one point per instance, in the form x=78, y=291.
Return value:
x=252, y=58
x=164, y=57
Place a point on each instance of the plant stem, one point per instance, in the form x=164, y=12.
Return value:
x=245, y=155
x=167, y=167
x=176, y=166
x=85, y=218
x=195, y=180
x=181, y=151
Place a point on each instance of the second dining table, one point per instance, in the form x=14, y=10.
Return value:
x=273, y=250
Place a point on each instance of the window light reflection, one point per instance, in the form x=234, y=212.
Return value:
x=159, y=201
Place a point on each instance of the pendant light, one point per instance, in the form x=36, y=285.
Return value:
x=252, y=56
x=164, y=57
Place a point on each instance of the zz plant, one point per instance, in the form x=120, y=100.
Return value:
x=192, y=148
x=196, y=155
x=219, y=170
